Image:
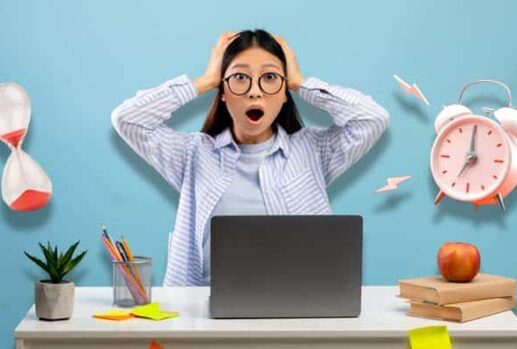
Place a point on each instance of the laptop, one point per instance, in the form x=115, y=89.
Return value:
x=285, y=266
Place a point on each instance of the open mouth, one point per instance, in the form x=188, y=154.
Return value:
x=255, y=114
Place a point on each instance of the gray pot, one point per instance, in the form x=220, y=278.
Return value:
x=54, y=301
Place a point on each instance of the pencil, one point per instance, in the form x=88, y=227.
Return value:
x=135, y=287
x=131, y=257
x=133, y=268
x=132, y=287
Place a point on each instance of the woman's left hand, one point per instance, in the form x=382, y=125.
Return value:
x=294, y=77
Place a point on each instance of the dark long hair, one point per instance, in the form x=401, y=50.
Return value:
x=219, y=118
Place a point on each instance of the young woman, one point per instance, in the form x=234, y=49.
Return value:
x=253, y=155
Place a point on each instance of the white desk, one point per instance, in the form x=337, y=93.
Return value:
x=383, y=323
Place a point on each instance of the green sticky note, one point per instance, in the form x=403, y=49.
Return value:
x=431, y=337
x=152, y=311
x=143, y=309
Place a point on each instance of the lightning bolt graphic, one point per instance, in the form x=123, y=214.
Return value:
x=411, y=89
x=393, y=183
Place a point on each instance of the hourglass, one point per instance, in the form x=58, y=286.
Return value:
x=25, y=185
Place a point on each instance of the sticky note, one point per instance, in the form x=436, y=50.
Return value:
x=155, y=345
x=152, y=311
x=113, y=314
x=431, y=337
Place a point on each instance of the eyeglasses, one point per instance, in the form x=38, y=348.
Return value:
x=240, y=83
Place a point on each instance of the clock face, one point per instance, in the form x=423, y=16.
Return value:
x=470, y=158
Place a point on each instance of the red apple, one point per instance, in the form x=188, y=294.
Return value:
x=458, y=261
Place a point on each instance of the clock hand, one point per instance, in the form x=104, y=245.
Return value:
x=472, y=138
x=470, y=158
x=465, y=164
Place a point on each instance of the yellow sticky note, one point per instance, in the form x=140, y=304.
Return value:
x=113, y=314
x=152, y=311
x=431, y=337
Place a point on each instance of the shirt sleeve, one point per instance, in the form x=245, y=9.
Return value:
x=140, y=121
x=358, y=123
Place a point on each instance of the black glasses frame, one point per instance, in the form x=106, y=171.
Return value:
x=251, y=83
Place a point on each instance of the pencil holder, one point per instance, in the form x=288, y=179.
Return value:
x=132, y=282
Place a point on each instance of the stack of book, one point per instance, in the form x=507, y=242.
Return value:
x=434, y=297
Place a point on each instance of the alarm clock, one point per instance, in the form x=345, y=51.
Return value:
x=473, y=157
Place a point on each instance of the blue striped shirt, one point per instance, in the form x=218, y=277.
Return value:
x=293, y=177
x=243, y=196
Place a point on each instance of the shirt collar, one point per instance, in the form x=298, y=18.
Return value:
x=281, y=141
x=224, y=138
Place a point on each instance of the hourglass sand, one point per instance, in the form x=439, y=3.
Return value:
x=25, y=185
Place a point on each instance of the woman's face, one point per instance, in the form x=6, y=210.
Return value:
x=254, y=112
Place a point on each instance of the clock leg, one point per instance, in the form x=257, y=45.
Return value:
x=500, y=201
x=439, y=197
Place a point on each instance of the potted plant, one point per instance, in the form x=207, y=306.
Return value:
x=54, y=297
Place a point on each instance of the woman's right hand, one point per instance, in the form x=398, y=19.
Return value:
x=212, y=76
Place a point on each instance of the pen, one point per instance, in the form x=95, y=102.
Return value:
x=132, y=268
x=136, y=288
x=122, y=251
x=128, y=258
x=129, y=255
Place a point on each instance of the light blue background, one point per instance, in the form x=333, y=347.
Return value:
x=80, y=59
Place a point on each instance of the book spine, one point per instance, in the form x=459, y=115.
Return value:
x=492, y=306
x=481, y=291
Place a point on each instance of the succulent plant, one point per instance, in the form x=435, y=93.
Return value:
x=57, y=264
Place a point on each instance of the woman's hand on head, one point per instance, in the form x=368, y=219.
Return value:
x=294, y=77
x=212, y=76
